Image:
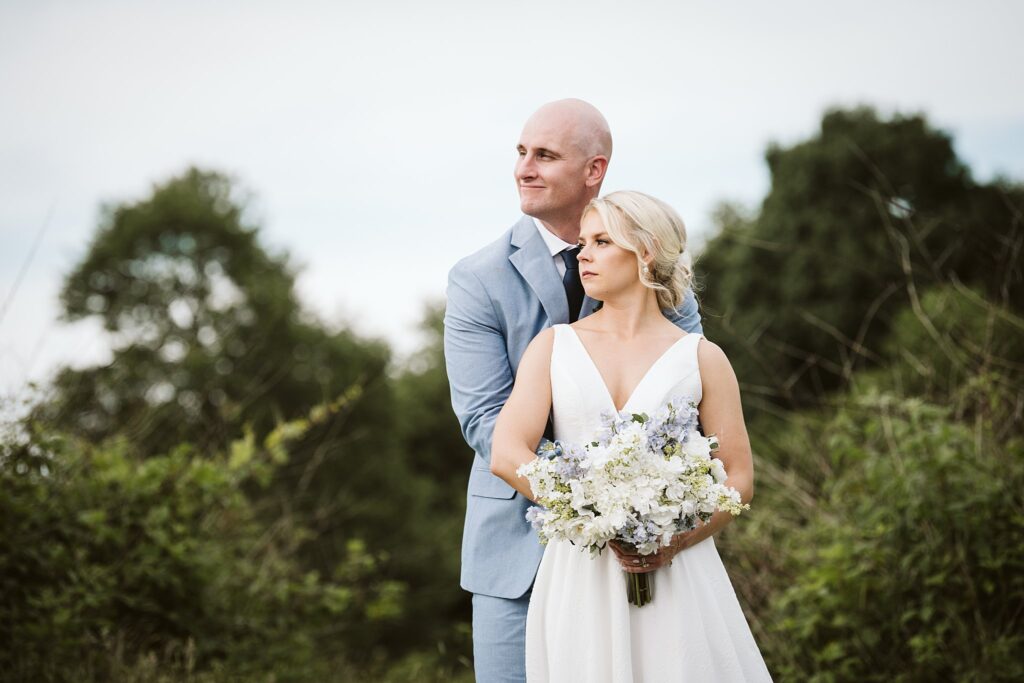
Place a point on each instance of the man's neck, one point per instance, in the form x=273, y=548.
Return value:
x=567, y=230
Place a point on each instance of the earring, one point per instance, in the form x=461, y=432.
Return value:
x=646, y=269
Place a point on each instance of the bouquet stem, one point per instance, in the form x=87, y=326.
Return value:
x=640, y=588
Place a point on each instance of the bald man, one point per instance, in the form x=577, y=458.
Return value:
x=499, y=299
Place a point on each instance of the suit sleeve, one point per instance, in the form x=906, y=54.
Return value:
x=687, y=316
x=476, y=357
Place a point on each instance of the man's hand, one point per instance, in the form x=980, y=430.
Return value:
x=634, y=563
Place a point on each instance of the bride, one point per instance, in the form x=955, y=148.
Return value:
x=628, y=357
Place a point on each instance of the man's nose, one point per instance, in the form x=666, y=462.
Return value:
x=525, y=168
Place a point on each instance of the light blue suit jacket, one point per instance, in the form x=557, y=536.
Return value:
x=499, y=299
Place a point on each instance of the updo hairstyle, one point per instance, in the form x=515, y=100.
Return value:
x=643, y=224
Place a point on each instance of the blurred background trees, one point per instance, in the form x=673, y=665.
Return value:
x=242, y=491
x=858, y=220
x=872, y=311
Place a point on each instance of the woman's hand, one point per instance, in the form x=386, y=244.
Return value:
x=634, y=563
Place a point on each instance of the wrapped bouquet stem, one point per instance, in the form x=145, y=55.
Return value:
x=640, y=481
x=640, y=588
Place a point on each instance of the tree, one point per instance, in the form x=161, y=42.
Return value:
x=206, y=329
x=856, y=217
x=433, y=446
x=211, y=345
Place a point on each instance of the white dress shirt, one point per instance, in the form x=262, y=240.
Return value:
x=555, y=245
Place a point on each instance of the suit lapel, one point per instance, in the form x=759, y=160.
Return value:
x=533, y=261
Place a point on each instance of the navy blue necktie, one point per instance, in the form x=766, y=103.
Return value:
x=571, y=282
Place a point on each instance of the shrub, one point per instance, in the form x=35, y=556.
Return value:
x=112, y=563
x=913, y=568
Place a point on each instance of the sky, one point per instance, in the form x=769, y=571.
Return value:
x=377, y=139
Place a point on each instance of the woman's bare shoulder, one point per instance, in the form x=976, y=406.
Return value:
x=712, y=359
x=539, y=348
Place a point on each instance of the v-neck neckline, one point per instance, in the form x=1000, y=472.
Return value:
x=600, y=377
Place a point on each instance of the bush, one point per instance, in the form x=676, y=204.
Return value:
x=113, y=564
x=948, y=341
x=912, y=568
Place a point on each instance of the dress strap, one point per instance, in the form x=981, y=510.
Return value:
x=558, y=344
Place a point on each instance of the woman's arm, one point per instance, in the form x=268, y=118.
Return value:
x=721, y=414
x=520, y=425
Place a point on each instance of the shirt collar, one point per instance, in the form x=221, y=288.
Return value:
x=554, y=243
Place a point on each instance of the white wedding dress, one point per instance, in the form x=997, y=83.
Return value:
x=580, y=628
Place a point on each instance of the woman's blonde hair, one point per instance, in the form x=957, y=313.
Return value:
x=643, y=224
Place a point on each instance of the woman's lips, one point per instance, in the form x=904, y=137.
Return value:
x=586, y=273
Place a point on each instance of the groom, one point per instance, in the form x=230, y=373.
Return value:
x=498, y=299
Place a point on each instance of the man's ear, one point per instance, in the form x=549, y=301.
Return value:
x=596, y=168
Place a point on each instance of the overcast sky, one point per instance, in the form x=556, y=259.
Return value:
x=379, y=138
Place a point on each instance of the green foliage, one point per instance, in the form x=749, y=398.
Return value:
x=109, y=559
x=886, y=540
x=433, y=447
x=856, y=217
x=914, y=568
x=207, y=331
x=212, y=346
x=949, y=340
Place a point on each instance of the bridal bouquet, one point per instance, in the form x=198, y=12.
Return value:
x=640, y=481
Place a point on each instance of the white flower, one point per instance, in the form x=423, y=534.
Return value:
x=662, y=516
x=599, y=456
x=696, y=446
x=632, y=438
x=673, y=466
x=718, y=470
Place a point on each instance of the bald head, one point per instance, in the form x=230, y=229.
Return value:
x=563, y=155
x=577, y=122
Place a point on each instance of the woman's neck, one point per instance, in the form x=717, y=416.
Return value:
x=630, y=314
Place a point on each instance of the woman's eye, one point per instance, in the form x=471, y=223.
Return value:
x=601, y=241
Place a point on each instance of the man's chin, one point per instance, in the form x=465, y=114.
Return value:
x=532, y=209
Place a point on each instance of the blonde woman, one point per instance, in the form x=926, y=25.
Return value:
x=628, y=356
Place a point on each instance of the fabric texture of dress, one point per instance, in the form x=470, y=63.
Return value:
x=580, y=626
